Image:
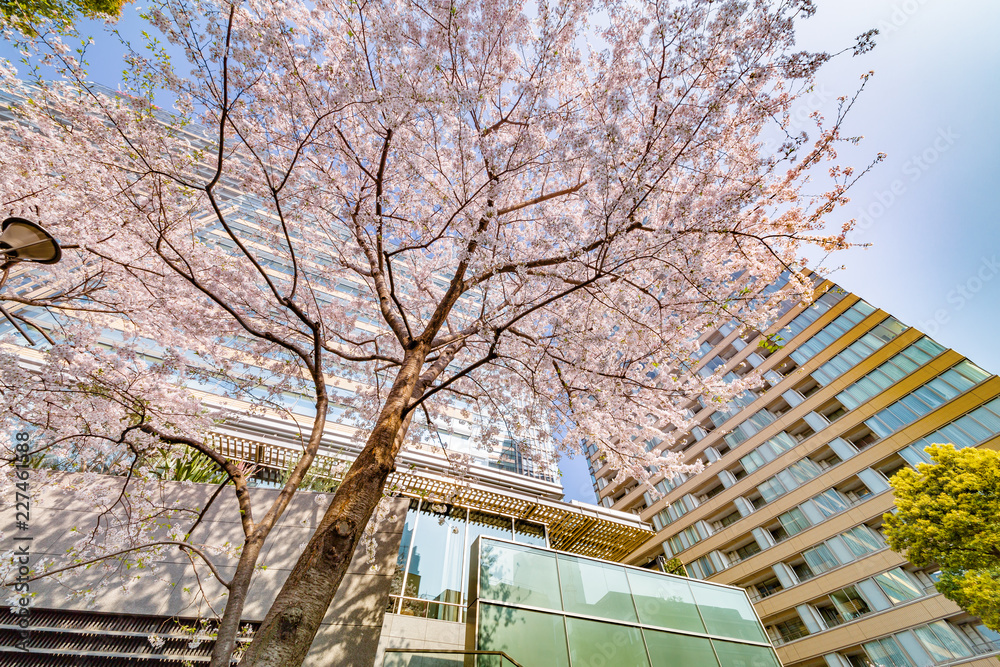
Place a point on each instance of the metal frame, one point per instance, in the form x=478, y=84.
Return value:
x=639, y=626
x=453, y=652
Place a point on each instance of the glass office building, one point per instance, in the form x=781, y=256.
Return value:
x=790, y=507
x=530, y=606
x=550, y=609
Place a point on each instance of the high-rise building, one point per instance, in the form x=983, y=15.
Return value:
x=790, y=506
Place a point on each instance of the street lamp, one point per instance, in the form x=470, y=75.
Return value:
x=24, y=241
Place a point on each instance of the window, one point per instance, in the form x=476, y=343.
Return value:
x=804, y=470
x=436, y=559
x=849, y=603
x=886, y=653
x=746, y=551
x=752, y=461
x=704, y=567
x=727, y=520
x=771, y=489
x=794, y=521
x=830, y=502
x=862, y=540
x=787, y=631
x=803, y=572
x=767, y=588
x=595, y=589
x=898, y=586
x=820, y=559
x=782, y=442
x=942, y=642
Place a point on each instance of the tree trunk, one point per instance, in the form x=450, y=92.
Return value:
x=229, y=626
x=291, y=624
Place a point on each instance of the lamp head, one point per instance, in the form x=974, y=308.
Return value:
x=24, y=241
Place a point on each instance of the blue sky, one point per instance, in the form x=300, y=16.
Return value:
x=929, y=210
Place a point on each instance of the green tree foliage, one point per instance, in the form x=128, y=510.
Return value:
x=675, y=566
x=28, y=16
x=949, y=514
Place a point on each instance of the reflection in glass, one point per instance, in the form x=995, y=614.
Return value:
x=529, y=533
x=898, y=586
x=489, y=525
x=663, y=601
x=436, y=559
x=743, y=655
x=727, y=612
x=404, y=549
x=886, y=653
x=532, y=638
x=942, y=642
x=596, y=644
x=849, y=603
x=667, y=649
x=518, y=574
x=595, y=589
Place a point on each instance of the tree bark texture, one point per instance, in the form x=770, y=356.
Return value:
x=294, y=619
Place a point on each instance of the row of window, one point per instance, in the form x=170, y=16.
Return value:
x=857, y=541
x=937, y=642
x=901, y=365
x=921, y=401
x=843, y=323
x=892, y=371
x=878, y=593
x=796, y=326
x=812, y=313
x=912, y=358
x=966, y=431
x=858, y=351
x=847, y=547
x=794, y=476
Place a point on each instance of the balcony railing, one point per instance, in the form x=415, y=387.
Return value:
x=986, y=647
x=777, y=639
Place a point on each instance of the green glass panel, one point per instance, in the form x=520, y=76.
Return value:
x=532, y=638
x=489, y=525
x=518, y=574
x=666, y=602
x=667, y=649
x=595, y=589
x=596, y=644
x=727, y=612
x=744, y=655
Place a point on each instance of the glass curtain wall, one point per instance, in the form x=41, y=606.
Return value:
x=548, y=609
x=433, y=558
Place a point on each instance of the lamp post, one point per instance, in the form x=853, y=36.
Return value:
x=24, y=241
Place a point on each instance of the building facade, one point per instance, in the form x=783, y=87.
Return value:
x=790, y=506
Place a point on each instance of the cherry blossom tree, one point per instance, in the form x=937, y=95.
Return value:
x=519, y=213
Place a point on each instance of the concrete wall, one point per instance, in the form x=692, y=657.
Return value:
x=351, y=629
x=419, y=633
